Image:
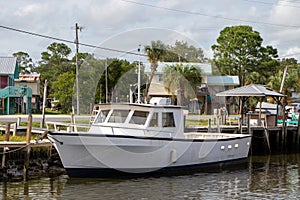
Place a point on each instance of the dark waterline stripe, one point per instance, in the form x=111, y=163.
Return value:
x=167, y=171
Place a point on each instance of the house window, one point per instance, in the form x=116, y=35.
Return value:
x=3, y=81
x=168, y=119
x=139, y=117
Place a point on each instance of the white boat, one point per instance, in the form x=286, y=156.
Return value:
x=128, y=139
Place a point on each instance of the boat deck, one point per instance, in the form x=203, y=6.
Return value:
x=199, y=135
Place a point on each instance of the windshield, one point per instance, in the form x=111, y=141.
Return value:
x=101, y=116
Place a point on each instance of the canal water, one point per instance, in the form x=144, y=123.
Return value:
x=264, y=177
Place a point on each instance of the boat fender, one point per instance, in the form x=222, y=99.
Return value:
x=173, y=155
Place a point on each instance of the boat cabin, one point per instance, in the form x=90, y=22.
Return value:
x=139, y=120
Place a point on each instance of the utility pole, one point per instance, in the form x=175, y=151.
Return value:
x=283, y=78
x=44, y=105
x=106, y=81
x=77, y=70
x=139, y=76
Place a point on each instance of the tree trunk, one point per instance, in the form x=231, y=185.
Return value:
x=148, y=85
x=179, y=96
x=153, y=69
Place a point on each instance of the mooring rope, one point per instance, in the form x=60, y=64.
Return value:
x=14, y=150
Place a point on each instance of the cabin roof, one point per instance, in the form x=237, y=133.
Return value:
x=124, y=105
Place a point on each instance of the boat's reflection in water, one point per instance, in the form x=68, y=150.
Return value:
x=269, y=177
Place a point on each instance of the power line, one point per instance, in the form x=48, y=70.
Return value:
x=207, y=15
x=273, y=4
x=69, y=41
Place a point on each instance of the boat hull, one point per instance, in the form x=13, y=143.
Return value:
x=167, y=171
x=96, y=155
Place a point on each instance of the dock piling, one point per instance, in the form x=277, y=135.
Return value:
x=15, y=129
x=298, y=134
x=6, y=139
x=27, y=149
x=18, y=121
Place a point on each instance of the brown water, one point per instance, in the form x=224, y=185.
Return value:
x=266, y=177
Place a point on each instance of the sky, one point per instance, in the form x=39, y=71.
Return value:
x=123, y=25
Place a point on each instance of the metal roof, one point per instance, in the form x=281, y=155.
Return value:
x=223, y=80
x=8, y=65
x=251, y=90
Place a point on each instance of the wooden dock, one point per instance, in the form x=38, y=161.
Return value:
x=23, y=147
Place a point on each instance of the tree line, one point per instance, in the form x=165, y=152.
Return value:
x=238, y=51
x=100, y=80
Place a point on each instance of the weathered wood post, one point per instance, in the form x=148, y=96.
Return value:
x=248, y=123
x=6, y=139
x=284, y=128
x=42, y=124
x=15, y=129
x=240, y=123
x=218, y=120
x=209, y=125
x=27, y=149
x=18, y=121
x=72, y=122
x=298, y=133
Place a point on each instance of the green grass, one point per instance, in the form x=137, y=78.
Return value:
x=201, y=122
x=52, y=112
x=34, y=124
x=18, y=138
x=82, y=121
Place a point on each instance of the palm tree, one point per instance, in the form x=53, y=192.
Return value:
x=255, y=78
x=155, y=52
x=183, y=79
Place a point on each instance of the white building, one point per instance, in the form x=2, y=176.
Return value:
x=206, y=100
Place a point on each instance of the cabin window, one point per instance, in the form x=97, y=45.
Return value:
x=139, y=117
x=101, y=116
x=154, y=120
x=168, y=119
x=118, y=116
